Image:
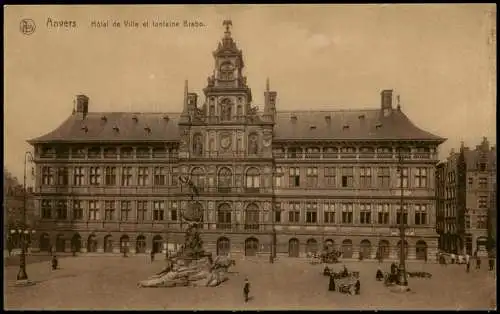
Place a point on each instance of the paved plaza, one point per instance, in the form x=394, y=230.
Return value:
x=110, y=282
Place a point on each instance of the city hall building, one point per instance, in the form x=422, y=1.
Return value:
x=109, y=180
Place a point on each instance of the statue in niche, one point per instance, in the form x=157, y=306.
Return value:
x=226, y=111
x=197, y=145
x=253, y=146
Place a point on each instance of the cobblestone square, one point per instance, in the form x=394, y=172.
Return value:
x=87, y=282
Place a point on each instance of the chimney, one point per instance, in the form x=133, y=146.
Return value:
x=328, y=119
x=82, y=104
x=386, y=100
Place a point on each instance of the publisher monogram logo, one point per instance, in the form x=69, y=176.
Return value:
x=27, y=26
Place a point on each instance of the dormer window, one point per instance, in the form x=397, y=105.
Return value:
x=85, y=129
x=166, y=118
x=147, y=129
x=378, y=125
x=135, y=119
x=345, y=127
x=116, y=129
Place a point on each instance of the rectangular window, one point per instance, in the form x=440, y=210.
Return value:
x=383, y=214
x=62, y=176
x=174, y=211
x=421, y=178
x=312, y=177
x=312, y=152
x=126, y=176
x=365, y=176
x=384, y=177
x=294, y=177
x=160, y=174
x=47, y=176
x=62, y=210
x=109, y=210
x=365, y=213
x=294, y=152
x=330, y=176
x=77, y=210
x=46, y=209
x=347, y=213
x=483, y=183
x=278, y=179
x=143, y=176
x=405, y=214
x=329, y=213
x=158, y=210
x=110, y=175
x=482, y=222
x=78, y=176
x=125, y=210
x=471, y=183
x=95, y=175
x=420, y=214
x=94, y=210
x=482, y=202
x=347, y=177
x=404, y=176
x=294, y=212
x=142, y=210
x=311, y=213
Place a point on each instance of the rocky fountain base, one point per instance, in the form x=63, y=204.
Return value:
x=191, y=266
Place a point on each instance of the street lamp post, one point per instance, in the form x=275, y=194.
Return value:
x=24, y=233
x=402, y=248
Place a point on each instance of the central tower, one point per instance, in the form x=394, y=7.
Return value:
x=226, y=150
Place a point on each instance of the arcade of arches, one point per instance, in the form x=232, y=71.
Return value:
x=251, y=246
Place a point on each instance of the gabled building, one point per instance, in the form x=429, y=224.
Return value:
x=466, y=206
x=112, y=179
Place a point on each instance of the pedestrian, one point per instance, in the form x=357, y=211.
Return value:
x=393, y=268
x=379, y=276
x=425, y=257
x=453, y=258
x=331, y=284
x=491, y=262
x=246, y=289
x=467, y=261
x=152, y=256
x=55, y=262
x=357, y=287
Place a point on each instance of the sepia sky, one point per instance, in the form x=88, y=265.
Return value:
x=440, y=58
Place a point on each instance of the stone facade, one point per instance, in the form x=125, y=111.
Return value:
x=109, y=180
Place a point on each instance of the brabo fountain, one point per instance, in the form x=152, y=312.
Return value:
x=191, y=265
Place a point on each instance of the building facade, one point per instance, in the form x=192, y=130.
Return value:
x=466, y=200
x=110, y=180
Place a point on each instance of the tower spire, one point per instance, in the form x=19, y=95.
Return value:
x=227, y=24
x=267, y=84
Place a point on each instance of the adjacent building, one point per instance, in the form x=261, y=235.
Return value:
x=109, y=180
x=466, y=200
